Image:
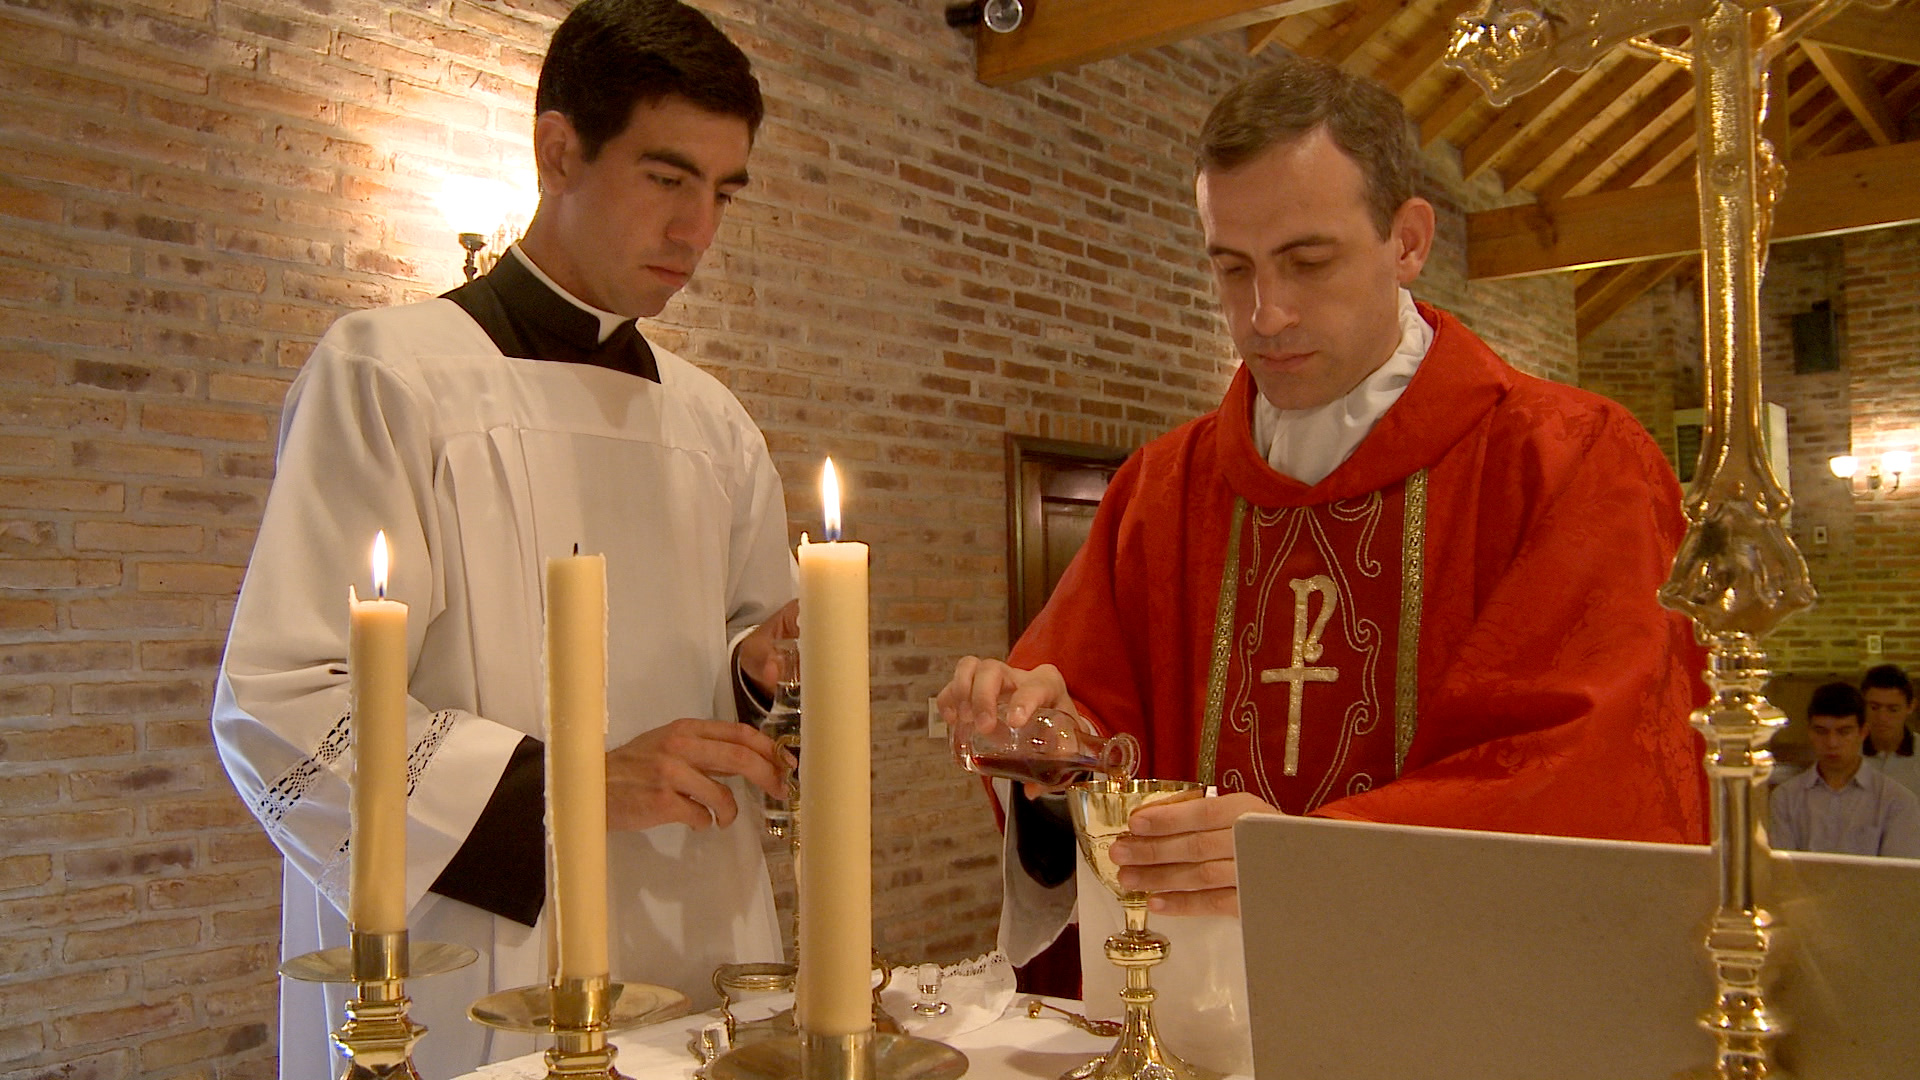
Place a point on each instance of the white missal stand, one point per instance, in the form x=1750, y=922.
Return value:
x=1435, y=954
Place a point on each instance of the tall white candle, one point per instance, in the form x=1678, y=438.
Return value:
x=577, y=761
x=835, y=868
x=377, y=668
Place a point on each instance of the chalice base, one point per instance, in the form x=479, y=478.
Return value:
x=1139, y=1053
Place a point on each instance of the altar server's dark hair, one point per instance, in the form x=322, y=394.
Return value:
x=1838, y=699
x=1887, y=677
x=1294, y=95
x=610, y=55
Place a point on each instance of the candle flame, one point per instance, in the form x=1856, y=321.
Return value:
x=380, y=564
x=830, y=501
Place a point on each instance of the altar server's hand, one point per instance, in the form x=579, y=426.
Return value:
x=1182, y=852
x=979, y=687
x=758, y=659
x=673, y=772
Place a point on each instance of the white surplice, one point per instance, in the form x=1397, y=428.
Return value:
x=479, y=467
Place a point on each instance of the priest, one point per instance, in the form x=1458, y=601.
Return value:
x=485, y=432
x=1389, y=579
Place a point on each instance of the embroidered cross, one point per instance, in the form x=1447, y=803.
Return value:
x=1306, y=650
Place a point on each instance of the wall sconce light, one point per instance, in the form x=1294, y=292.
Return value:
x=1893, y=463
x=488, y=216
x=1001, y=16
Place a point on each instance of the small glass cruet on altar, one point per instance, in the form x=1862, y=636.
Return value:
x=1050, y=750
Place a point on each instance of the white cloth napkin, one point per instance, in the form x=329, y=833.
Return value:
x=976, y=993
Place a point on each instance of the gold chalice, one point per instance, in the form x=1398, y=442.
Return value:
x=1100, y=812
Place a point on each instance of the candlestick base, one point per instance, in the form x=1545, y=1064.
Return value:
x=867, y=1055
x=377, y=1038
x=579, y=1014
x=734, y=982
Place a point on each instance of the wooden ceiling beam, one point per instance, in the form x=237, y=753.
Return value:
x=1826, y=195
x=1856, y=89
x=1061, y=34
x=1261, y=35
x=1340, y=42
x=1661, y=107
x=1564, y=128
x=1655, y=159
x=1449, y=109
x=1510, y=123
x=1891, y=33
x=1606, y=295
x=1434, y=38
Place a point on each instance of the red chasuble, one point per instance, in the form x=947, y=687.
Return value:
x=1455, y=628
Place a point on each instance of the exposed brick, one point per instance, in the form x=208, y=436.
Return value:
x=30, y=700
x=18, y=956
x=65, y=909
x=206, y=890
x=44, y=493
x=22, y=614
x=194, y=816
x=205, y=423
x=37, y=658
x=126, y=536
x=189, y=578
x=111, y=1065
x=34, y=789
x=84, y=827
x=68, y=741
x=139, y=697
x=200, y=1045
x=182, y=655
x=24, y=871
x=133, y=939
x=113, y=458
x=19, y=1043
x=111, y=1024
x=207, y=966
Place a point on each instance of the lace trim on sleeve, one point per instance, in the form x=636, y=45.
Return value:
x=278, y=798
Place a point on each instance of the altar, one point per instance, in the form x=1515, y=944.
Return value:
x=1014, y=1047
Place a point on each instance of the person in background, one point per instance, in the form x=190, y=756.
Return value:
x=1890, y=741
x=1840, y=804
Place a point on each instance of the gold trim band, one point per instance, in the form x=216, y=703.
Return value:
x=1413, y=577
x=1222, y=644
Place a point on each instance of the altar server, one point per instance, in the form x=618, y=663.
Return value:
x=1390, y=578
x=485, y=432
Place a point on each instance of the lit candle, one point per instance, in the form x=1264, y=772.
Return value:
x=835, y=871
x=577, y=760
x=377, y=665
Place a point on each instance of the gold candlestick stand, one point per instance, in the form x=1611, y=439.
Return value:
x=580, y=1013
x=377, y=1038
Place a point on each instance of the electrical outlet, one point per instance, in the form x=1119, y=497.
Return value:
x=1873, y=644
x=936, y=727
x=1819, y=535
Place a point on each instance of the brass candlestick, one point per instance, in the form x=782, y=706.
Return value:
x=377, y=1038
x=1100, y=812
x=580, y=1013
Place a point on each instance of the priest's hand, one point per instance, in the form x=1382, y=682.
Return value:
x=979, y=687
x=758, y=654
x=1182, y=853
x=673, y=773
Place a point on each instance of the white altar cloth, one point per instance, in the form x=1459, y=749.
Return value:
x=1014, y=1047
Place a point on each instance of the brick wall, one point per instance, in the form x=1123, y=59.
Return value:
x=1870, y=555
x=194, y=189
